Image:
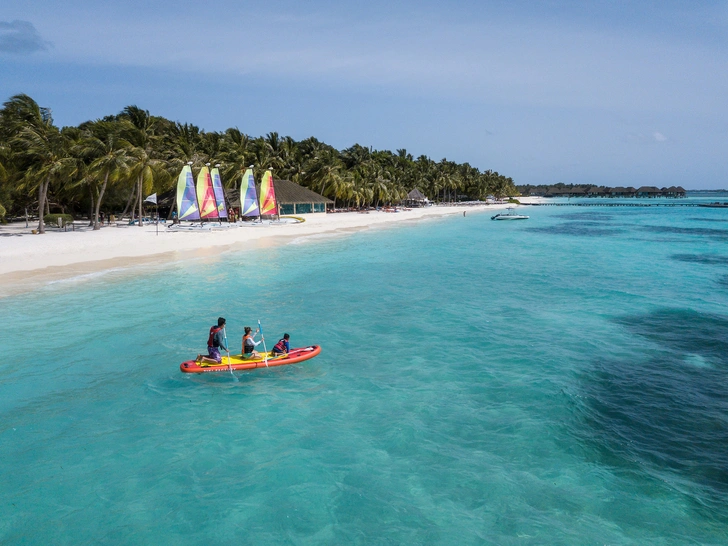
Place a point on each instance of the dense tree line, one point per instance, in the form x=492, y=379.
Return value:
x=115, y=161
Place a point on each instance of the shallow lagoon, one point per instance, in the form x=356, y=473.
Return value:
x=557, y=380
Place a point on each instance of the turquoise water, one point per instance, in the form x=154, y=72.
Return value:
x=560, y=380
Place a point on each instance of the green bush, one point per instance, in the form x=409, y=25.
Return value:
x=52, y=219
x=514, y=200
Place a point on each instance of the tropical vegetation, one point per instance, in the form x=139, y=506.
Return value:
x=112, y=163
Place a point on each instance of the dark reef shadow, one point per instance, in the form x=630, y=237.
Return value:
x=710, y=259
x=669, y=412
x=583, y=229
x=592, y=216
x=709, y=219
x=693, y=231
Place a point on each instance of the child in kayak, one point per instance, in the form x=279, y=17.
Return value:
x=215, y=342
x=283, y=346
x=249, y=343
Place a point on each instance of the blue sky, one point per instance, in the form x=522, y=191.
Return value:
x=605, y=92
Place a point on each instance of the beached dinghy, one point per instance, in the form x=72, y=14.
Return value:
x=237, y=362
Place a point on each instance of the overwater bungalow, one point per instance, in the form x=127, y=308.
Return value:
x=649, y=191
x=595, y=191
x=673, y=191
x=605, y=191
x=620, y=191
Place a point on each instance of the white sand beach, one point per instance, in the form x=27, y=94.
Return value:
x=28, y=260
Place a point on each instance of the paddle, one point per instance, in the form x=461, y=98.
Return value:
x=227, y=348
x=260, y=329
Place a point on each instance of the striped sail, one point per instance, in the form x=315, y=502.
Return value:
x=205, y=195
x=268, y=203
x=186, y=200
x=219, y=193
x=249, y=203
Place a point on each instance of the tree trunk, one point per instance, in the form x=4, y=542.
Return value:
x=141, y=200
x=98, y=202
x=91, y=206
x=42, y=197
x=174, y=206
x=132, y=195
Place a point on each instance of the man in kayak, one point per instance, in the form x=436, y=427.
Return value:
x=215, y=342
x=283, y=346
x=249, y=343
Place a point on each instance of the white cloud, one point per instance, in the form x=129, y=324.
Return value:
x=659, y=137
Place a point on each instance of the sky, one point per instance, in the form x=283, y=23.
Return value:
x=606, y=92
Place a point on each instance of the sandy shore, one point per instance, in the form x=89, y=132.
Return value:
x=27, y=260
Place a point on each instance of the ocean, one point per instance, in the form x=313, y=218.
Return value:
x=558, y=380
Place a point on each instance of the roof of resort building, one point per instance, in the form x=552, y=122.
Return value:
x=290, y=192
x=416, y=195
x=648, y=189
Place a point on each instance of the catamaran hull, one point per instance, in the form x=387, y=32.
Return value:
x=507, y=217
x=238, y=363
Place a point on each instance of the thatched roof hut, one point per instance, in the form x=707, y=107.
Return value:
x=295, y=199
x=649, y=191
x=416, y=198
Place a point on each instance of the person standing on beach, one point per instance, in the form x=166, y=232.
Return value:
x=215, y=342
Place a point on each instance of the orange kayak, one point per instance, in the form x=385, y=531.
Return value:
x=237, y=362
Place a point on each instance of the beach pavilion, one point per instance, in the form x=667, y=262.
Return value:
x=416, y=198
x=295, y=199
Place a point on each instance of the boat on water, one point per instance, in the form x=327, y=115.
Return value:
x=266, y=360
x=510, y=215
x=715, y=205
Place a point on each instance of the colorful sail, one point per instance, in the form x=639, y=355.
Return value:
x=219, y=193
x=186, y=199
x=249, y=202
x=268, y=203
x=205, y=195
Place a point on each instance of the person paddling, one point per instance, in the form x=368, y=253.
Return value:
x=249, y=343
x=283, y=347
x=215, y=341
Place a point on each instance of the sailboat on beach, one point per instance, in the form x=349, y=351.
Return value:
x=249, y=197
x=206, y=195
x=218, y=193
x=187, y=208
x=268, y=203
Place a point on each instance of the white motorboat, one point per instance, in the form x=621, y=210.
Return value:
x=510, y=215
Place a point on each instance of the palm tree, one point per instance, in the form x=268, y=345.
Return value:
x=4, y=197
x=36, y=157
x=108, y=155
x=140, y=131
x=236, y=154
x=38, y=143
